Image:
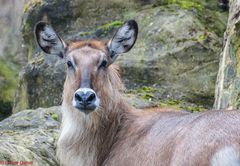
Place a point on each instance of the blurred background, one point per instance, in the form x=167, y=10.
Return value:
x=174, y=62
x=186, y=58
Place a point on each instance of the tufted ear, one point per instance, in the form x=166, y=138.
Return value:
x=123, y=40
x=48, y=40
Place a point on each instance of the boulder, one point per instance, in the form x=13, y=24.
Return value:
x=176, y=52
x=30, y=136
x=41, y=83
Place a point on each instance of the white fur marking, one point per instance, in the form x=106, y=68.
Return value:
x=227, y=156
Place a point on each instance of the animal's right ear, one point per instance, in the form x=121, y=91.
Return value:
x=123, y=40
x=48, y=40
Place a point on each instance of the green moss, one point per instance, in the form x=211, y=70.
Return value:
x=113, y=24
x=31, y=4
x=146, y=89
x=148, y=96
x=184, y=4
x=103, y=29
x=214, y=21
x=181, y=105
x=200, y=38
x=170, y=103
x=54, y=116
x=85, y=33
x=187, y=4
x=194, y=108
x=10, y=76
x=208, y=12
x=146, y=92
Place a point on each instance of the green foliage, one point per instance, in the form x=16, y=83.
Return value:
x=8, y=84
x=9, y=73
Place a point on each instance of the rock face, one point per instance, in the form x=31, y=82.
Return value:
x=10, y=58
x=41, y=83
x=176, y=52
x=30, y=136
x=228, y=82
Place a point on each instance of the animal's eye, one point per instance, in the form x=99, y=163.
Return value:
x=69, y=64
x=103, y=64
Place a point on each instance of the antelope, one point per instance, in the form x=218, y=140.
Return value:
x=99, y=128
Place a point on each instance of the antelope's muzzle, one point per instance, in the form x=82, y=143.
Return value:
x=85, y=99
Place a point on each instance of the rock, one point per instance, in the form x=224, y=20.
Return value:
x=26, y=136
x=71, y=17
x=10, y=36
x=10, y=56
x=176, y=52
x=41, y=83
x=227, y=87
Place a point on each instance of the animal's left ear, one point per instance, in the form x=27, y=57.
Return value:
x=123, y=40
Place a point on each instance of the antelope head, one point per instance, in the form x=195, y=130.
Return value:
x=91, y=77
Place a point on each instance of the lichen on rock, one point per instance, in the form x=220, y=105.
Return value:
x=30, y=136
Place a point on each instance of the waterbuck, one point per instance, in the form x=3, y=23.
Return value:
x=100, y=128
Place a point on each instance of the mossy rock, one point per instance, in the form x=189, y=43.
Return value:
x=30, y=136
x=177, y=51
x=41, y=83
x=73, y=19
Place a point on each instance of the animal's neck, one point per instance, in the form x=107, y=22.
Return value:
x=88, y=138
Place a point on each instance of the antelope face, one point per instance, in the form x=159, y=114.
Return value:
x=86, y=66
x=87, y=62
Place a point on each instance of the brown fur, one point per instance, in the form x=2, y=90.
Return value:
x=91, y=43
x=117, y=134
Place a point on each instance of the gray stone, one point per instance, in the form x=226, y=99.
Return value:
x=26, y=136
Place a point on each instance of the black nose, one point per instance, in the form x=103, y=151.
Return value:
x=85, y=99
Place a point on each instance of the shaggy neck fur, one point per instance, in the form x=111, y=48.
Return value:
x=87, y=139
